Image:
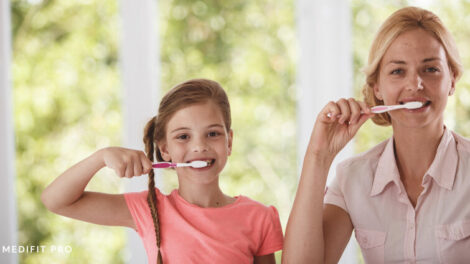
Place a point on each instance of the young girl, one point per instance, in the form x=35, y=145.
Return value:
x=196, y=223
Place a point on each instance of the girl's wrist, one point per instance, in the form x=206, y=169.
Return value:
x=99, y=156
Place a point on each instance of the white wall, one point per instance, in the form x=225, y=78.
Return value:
x=324, y=71
x=139, y=64
x=8, y=226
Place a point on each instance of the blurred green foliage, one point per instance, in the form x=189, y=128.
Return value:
x=67, y=98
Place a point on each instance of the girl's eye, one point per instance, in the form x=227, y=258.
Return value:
x=213, y=134
x=182, y=137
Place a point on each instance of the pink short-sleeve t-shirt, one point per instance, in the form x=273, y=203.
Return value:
x=387, y=226
x=234, y=233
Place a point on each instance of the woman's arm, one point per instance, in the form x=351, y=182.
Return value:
x=66, y=196
x=266, y=259
x=316, y=233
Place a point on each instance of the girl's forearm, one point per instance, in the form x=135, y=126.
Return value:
x=304, y=233
x=70, y=185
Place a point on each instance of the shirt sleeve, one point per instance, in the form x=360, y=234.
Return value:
x=139, y=209
x=333, y=193
x=273, y=238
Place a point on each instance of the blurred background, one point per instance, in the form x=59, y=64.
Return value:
x=67, y=98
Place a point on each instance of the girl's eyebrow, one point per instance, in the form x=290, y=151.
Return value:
x=187, y=128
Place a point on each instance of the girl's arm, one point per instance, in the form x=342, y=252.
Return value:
x=66, y=196
x=316, y=233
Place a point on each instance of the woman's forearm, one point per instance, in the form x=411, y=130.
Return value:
x=70, y=185
x=304, y=233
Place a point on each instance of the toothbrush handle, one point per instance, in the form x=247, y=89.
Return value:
x=163, y=165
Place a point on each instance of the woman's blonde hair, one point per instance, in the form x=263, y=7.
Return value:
x=191, y=92
x=403, y=20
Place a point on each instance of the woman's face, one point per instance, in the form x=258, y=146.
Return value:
x=415, y=68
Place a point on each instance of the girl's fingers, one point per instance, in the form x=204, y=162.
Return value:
x=129, y=169
x=138, y=170
x=146, y=163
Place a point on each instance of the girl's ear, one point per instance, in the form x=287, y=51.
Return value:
x=163, y=147
x=230, y=141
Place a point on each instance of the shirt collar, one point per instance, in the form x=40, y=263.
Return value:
x=444, y=165
x=442, y=169
x=387, y=170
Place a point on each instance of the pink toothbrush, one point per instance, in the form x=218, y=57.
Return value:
x=194, y=164
x=385, y=108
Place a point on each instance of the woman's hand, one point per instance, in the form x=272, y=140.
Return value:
x=336, y=125
x=126, y=162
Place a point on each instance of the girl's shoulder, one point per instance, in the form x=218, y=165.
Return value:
x=249, y=205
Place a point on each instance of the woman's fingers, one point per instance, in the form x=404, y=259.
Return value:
x=355, y=111
x=345, y=108
x=347, y=111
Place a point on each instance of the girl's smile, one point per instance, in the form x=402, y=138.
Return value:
x=198, y=132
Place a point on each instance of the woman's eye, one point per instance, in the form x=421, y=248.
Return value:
x=396, y=71
x=432, y=69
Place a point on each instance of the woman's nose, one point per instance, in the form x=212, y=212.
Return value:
x=415, y=83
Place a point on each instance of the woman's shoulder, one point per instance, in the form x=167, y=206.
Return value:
x=463, y=143
x=367, y=158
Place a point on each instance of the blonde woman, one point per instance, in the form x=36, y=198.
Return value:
x=407, y=198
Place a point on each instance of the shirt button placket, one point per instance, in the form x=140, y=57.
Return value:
x=410, y=237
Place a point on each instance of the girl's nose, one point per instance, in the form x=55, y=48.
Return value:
x=199, y=145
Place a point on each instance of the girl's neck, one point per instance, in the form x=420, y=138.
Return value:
x=415, y=149
x=205, y=196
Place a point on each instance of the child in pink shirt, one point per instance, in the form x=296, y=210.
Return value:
x=196, y=223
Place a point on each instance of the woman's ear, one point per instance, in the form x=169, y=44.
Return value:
x=163, y=147
x=452, y=84
x=377, y=92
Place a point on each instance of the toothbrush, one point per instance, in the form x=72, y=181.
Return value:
x=385, y=108
x=194, y=164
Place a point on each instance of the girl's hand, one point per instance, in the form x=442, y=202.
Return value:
x=126, y=162
x=336, y=125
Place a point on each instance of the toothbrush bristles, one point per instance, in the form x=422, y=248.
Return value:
x=198, y=164
x=413, y=105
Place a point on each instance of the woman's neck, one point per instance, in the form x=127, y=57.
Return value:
x=415, y=149
x=208, y=195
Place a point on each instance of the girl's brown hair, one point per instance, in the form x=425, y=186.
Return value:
x=401, y=21
x=191, y=92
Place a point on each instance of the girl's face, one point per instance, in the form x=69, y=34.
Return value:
x=198, y=132
x=415, y=68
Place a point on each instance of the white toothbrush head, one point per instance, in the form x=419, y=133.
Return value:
x=413, y=105
x=198, y=164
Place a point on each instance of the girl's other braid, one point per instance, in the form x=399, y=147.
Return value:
x=152, y=197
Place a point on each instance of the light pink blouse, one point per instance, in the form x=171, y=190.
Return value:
x=387, y=227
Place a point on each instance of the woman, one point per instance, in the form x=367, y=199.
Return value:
x=407, y=197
